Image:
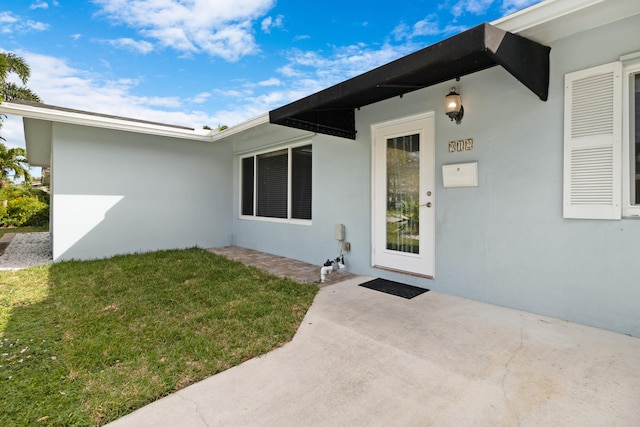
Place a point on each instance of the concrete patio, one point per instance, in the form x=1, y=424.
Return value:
x=362, y=357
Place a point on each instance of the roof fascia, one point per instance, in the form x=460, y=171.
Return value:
x=241, y=127
x=540, y=13
x=551, y=20
x=79, y=118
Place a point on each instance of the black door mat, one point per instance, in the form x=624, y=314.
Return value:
x=394, y=288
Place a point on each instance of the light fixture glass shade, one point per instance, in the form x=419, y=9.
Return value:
x=453, y=105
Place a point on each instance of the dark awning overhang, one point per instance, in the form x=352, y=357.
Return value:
x=332, y=110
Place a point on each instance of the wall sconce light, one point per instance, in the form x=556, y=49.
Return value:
x=453, y=106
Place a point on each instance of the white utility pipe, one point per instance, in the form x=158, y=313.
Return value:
x=335, y=266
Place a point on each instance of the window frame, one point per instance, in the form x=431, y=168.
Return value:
x=630, y=68
x=255, y=155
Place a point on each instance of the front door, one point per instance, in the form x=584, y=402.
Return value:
x=403, y=218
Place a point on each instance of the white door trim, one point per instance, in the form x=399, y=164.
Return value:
x=423, y=264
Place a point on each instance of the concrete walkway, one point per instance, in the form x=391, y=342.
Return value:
x=365, y=358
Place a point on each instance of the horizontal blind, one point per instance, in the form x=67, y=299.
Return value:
x=301, y=182
x=248, y=185
x=272, y=186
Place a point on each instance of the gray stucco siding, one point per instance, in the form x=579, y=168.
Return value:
x=117, y=192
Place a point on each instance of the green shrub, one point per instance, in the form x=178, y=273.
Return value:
x=14, y=191
x=26, y=211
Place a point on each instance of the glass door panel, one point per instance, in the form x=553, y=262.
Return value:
x=403, y=194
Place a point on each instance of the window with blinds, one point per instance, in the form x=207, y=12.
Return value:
x=248, y=172
x=301, y=182
x=277, y=184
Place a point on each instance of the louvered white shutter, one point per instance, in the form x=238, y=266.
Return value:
x=593, y=143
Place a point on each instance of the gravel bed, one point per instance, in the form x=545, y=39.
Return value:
x=27, y=250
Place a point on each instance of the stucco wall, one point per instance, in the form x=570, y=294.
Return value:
x=505, y=241
x=117, y=192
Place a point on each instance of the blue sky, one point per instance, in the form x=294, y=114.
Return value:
x=210, y=62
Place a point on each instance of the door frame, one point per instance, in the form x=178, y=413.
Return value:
x=422, y=265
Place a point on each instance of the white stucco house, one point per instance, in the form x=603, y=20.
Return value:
x=532, y=201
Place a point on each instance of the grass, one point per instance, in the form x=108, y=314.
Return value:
x=5, y=230
x=86, y=342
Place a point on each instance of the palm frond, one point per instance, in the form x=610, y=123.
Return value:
x=12, y=92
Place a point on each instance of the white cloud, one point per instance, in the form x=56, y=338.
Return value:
x=270, y=82
x=230, y=43
x=401, y=31
x=76, y=36
x=266, y=24
x=223, y=29
x=301, y=37
x=140, y=46
x=7, y=18
x=36, y=26
x=57, y=83
x=12, y=131
x=231, y=93
x=269, y=22
x=172, y=37
x=343, y=62
x=200, y=98
x=288, y=70
x=480, y=7
x=510, y=6
x=157, y=101
x=476, y=7
x=39, y=5
x=12, y=23
x=429, y=26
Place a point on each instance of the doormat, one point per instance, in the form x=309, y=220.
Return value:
x=394, y=288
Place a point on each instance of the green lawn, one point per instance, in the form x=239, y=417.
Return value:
x=83, y=343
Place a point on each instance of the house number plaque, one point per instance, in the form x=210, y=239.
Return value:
x=461, y=145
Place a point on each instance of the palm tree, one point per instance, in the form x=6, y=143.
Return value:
x=13, y=164
x=11, y=63
x=13, y=161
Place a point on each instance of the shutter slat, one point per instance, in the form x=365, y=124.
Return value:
x=592, y=105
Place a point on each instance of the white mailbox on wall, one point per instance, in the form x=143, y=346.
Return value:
x=460, y=175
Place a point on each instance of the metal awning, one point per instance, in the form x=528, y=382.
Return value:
x=332, y=110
